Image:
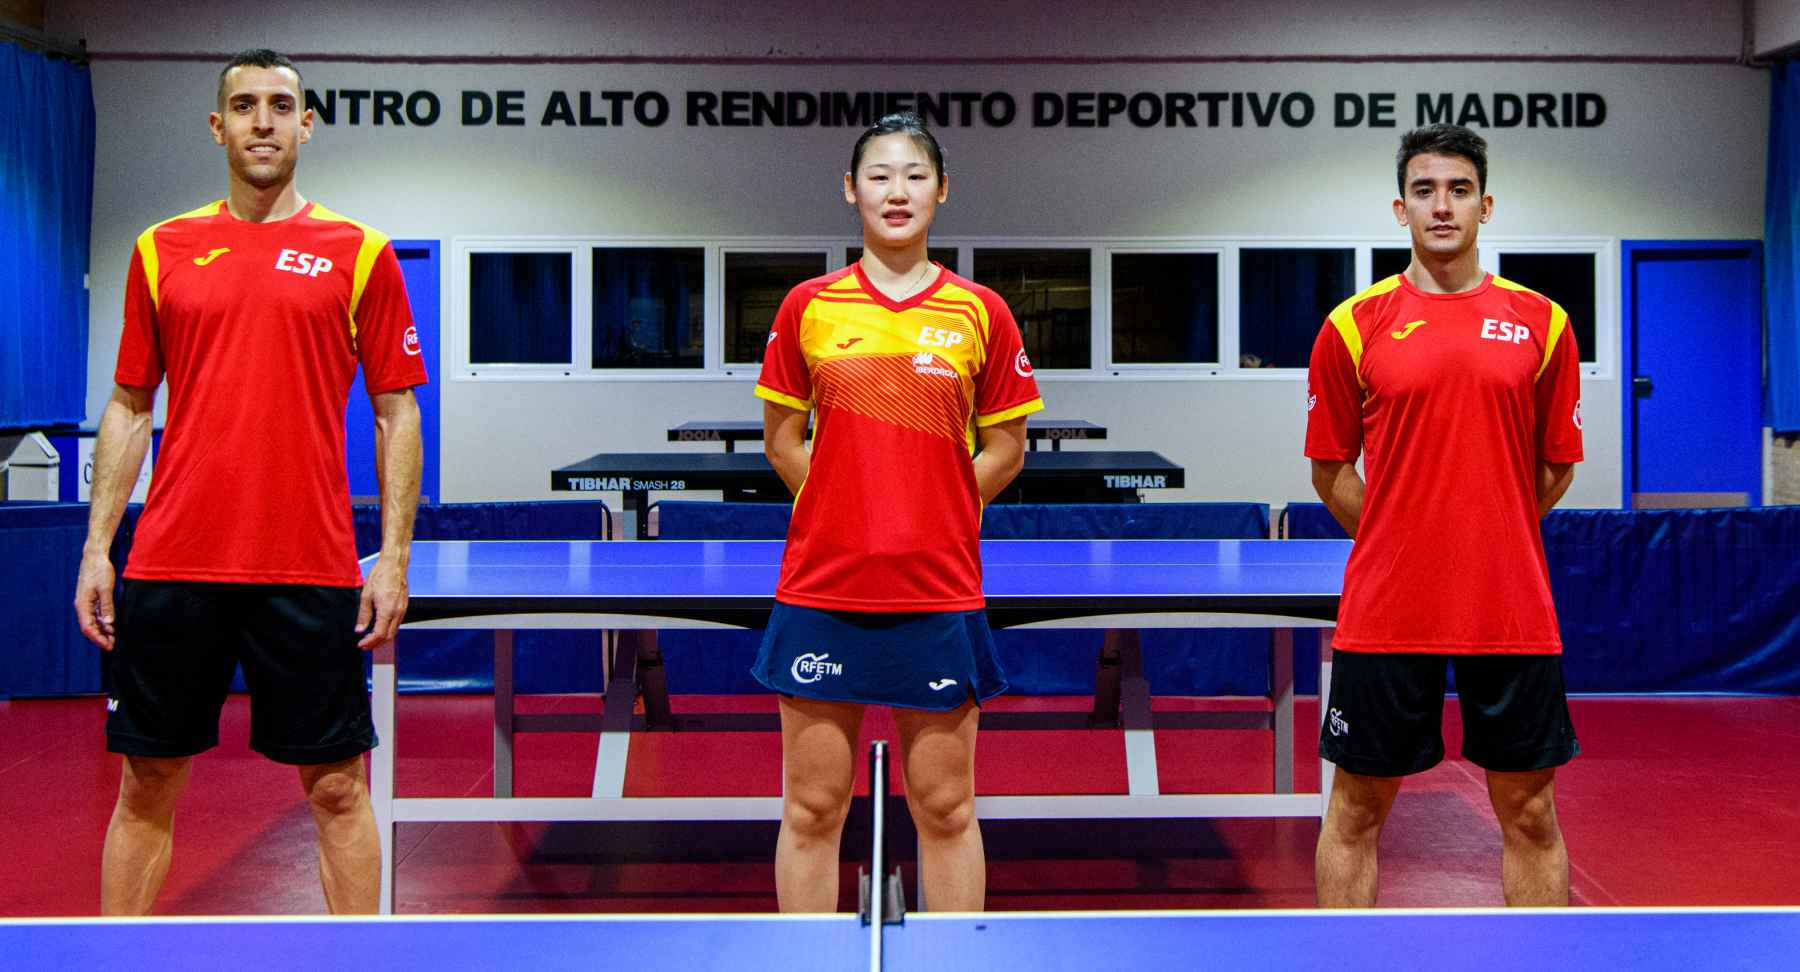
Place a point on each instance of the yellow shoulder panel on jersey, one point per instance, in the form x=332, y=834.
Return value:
x=954, y=299
x=1559, y=320
x=1343, y=318
x=372, y=243
x=146, y=245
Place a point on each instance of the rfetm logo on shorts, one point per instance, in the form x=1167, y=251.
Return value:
x=810, y=667
x=1337, y=724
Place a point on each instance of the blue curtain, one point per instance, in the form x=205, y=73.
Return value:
x=647, y=311
x=519, y=308
x=1285, y=296
x=46, y=202
x=1781, y=234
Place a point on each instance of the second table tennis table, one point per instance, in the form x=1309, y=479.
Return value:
x=1114, y=585
x=733, y=431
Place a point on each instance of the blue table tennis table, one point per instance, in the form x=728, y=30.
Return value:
x=1113, y=585
x=1572, y=940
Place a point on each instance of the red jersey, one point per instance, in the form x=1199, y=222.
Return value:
x=259, y=328
x=1453, y=400
x=889, y=516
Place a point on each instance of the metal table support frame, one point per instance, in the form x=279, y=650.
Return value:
x=634, y=670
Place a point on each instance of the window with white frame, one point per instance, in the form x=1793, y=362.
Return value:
x=640, y=309
x=1284, y=295
x=1385, y=261
x=756, y=282
x=521, y=308
x=1570, y=279
x=1165, y=308
x=1050, y=293
x=649, y=307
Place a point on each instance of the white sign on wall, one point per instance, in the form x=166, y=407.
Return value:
x=84, y=454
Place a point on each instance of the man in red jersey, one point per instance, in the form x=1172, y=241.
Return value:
x=1462, y=393
x=257, y=308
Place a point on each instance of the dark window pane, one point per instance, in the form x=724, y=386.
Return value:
x=1568, y=279
x=520, y=308
x=1050, y=293
x=1283, y=297
x=755, y=284
x=648, y=307
x=1165, y=308
x=945, y=255
x=1386, y=261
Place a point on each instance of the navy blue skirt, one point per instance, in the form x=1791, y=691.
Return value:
x=933, y=661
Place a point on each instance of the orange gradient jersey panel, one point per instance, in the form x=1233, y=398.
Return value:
x=889, y=515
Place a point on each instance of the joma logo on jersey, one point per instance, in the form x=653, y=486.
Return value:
x=1496, y=330
x=305, y=264
x=939, y=337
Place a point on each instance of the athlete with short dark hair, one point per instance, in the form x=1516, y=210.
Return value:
x=257, y=309
x=1461, y=392
x=909, y=367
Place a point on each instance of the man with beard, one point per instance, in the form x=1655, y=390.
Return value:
x=257, y=309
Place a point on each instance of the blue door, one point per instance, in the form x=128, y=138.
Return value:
x=1692, y=316
x=419, y=265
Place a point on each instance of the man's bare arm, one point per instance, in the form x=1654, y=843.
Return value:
x=399, y=447
x=1342, y=490
x=1553, y=481
x=119, y=450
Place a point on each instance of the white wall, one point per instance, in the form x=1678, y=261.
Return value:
x=993, y=28
x=1681, y=155
x=1776, y=25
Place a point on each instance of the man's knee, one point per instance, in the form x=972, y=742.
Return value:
x=149, y=787
x=1359, y=806
x=1526, y=811
x=336, y=793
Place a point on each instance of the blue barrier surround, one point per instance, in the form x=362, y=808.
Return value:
x=46, y=654
x=1691, y=601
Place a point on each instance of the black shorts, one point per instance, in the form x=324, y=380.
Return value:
x=179, y=642
x=1386, y=713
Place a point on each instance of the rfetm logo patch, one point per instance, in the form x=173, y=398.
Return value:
x=410, y=343
x=811, y=667
x=1022, y=365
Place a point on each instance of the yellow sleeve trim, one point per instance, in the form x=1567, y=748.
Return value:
x=1017, y=411
x=769, y=394
x=373, y=242
x=1343, y=319
x=1559, y=320
x=146, y=245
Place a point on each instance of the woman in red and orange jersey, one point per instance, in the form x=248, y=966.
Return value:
x=910, y=368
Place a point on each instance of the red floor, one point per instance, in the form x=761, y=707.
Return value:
x=1675, y=801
